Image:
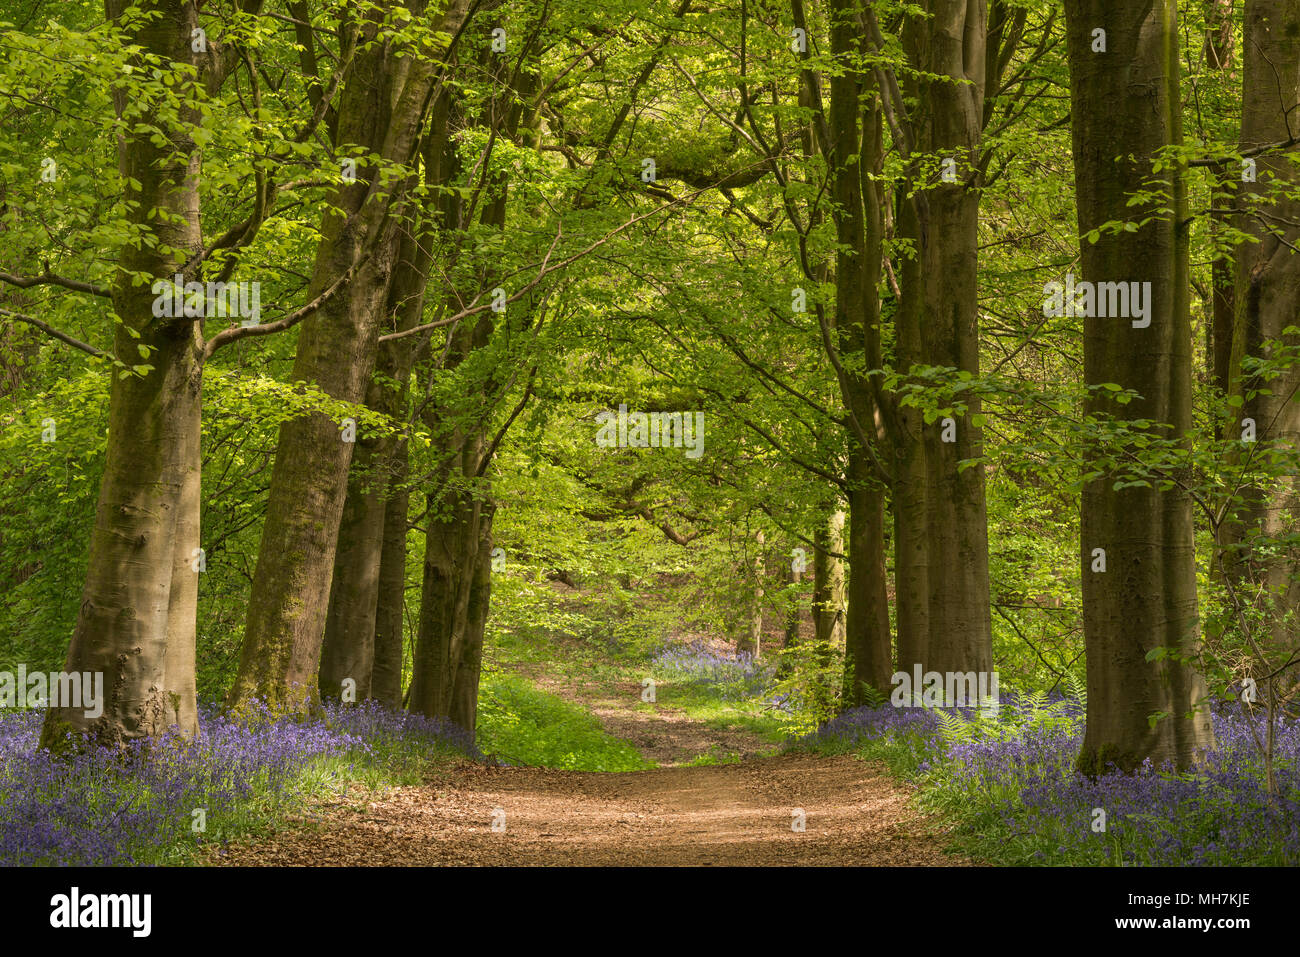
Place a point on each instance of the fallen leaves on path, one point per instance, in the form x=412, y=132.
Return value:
x=731, y=814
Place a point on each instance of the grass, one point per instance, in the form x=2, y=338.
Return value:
x=520, y=724
x=596, y=663
x=702, y=704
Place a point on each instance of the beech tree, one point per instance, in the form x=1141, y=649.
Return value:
x=857, y=150
x=137, y=609
x=938, y=510
x=364, y=626
x=1262, y=557
x=381, y=111
x=136, y=623
x=1145, y=698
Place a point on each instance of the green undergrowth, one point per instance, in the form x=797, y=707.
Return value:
x=520, y=724
x=595, y=662
x=702, y=704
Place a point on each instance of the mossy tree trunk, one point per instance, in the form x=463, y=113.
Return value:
x=373, y=528
x=381, y=110
x=456, y=586
x=1266, y=562
x=856, y=154
x=390, y=609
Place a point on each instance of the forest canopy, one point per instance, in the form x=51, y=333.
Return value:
x=343, y=342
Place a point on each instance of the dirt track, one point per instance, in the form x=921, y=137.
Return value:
x=731, y=814
x=677, y=814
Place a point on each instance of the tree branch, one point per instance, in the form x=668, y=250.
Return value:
x=51, y=331
x=48, y=278
x=227, y=336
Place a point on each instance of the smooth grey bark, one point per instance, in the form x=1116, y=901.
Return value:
x=352, y=629
x=464, y=689
x=940, y=517
x=348, y=648
x=453, y=595
x=856, y=155
x=390, y=610
x=382, y=108
x=1267, y=297
x=146, y=519
x=829, y=594
x=1126, y=109
x=364, y=627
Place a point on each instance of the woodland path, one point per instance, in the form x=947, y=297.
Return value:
x=724, y=814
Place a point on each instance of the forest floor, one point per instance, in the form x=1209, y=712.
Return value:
x=727, y=814
x=666, y=735
x=720, y=796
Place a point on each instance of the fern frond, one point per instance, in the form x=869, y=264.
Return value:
x=873, y=697
x=1078, y=689
x=953, y=728
x=1036, y=700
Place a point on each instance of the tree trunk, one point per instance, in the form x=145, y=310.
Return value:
x=947, y=556
x=1146, y=597
x=785, y=667
x=456, y=587
x=828, y=602
x=363, y=631
x=1218, y=50
x=867, y=651
x=448, y=633
x=146, y=520
x=382, y=108
x=464, y=693
x=348, y=649
x=351, y=625
x=390, y=613
x=1267, y=291
x=750, y=638
x=857, y=151
x=183, y=602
